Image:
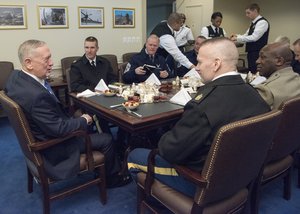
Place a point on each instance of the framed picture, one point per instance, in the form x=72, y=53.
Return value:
x=13, y=17
x=53, y=17
x=123, y=17
x=91, y=17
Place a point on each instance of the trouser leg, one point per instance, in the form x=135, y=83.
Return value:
x=103, y=143
x=164, y=172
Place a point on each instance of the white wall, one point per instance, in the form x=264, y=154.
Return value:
x=67, y=42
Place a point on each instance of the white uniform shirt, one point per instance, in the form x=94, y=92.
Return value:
x=260, y=28
x=183, y=36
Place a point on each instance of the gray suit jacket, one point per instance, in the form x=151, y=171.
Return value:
x=280, y=86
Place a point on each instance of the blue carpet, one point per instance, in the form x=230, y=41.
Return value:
x=15, y=199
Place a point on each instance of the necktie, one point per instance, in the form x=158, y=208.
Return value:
x=93, y=64
x=217, y=31
x=48, y=87
x=151, y=58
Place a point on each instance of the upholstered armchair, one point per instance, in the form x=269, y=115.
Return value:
x=224, y=185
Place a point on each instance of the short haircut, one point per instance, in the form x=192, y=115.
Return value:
x=283, y=39
x=174, y=18
x=92, y=39
x=297, y=42
x=26, y=48
x=253, y=6
x=216, y=14
x=153, y=36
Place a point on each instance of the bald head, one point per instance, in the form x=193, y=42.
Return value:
x=216, y=57
x=224, y=49
x=273, y=57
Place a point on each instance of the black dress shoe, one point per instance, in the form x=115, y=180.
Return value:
x=118, y=181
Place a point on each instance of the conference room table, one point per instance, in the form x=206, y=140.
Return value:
x=153, y=115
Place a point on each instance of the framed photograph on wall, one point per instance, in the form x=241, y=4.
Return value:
x=13, y=17
x=123, y=17
x=53, y=17
x=91, y=17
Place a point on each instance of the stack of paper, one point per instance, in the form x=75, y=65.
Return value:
x=181, y=97
x=101, y=86
x=152, y=79
x=193, y=73
x=86, y=93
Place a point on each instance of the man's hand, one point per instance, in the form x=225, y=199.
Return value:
x=89, y=119
x=163, y=74
x=233, y=37
x=140, y=71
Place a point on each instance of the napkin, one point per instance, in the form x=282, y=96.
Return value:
x=152, y=79
x=86, y=93
x=101, y=86
x=181, y=97
x=193, y=73
x=258, y=80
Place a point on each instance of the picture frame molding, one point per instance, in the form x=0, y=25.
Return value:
x=24, y=17
x=53, y=26
x=114, y=9
x=91, y=8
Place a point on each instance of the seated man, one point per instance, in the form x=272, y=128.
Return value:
x=282, y=82
x=224, y=98
x=296, y=60
x=87, y=71
x=136, y=72
x=191, y=55
x=48, y=120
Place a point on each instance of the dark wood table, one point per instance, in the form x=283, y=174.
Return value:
x=154, y=115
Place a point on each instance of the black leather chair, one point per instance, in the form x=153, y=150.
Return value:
x=224, y=185
x=280, y=160
x=66, y=63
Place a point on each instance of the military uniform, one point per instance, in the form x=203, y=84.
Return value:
x=224, y=100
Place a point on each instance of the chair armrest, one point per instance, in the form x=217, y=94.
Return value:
x=191, y=175
x=42, y=145
x=150, y=171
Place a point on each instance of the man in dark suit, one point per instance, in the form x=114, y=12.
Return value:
x=48, y=119
x=87, y=71
x=191, y=55
x=136, y=72
x=224, y=98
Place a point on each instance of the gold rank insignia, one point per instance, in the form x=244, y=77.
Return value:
x=198, y=97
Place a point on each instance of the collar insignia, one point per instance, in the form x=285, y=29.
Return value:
x=198, y=97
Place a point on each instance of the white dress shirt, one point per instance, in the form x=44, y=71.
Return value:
x=168, y=43
x=183, y=36
x=204, y=31
x=260, y=28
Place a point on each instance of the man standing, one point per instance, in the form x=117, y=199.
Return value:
x=48, y=119
x=282, y=82
x=165, y=32
x=255, y=37
x=136, y=72
x=87, y=71
x=189, y=141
